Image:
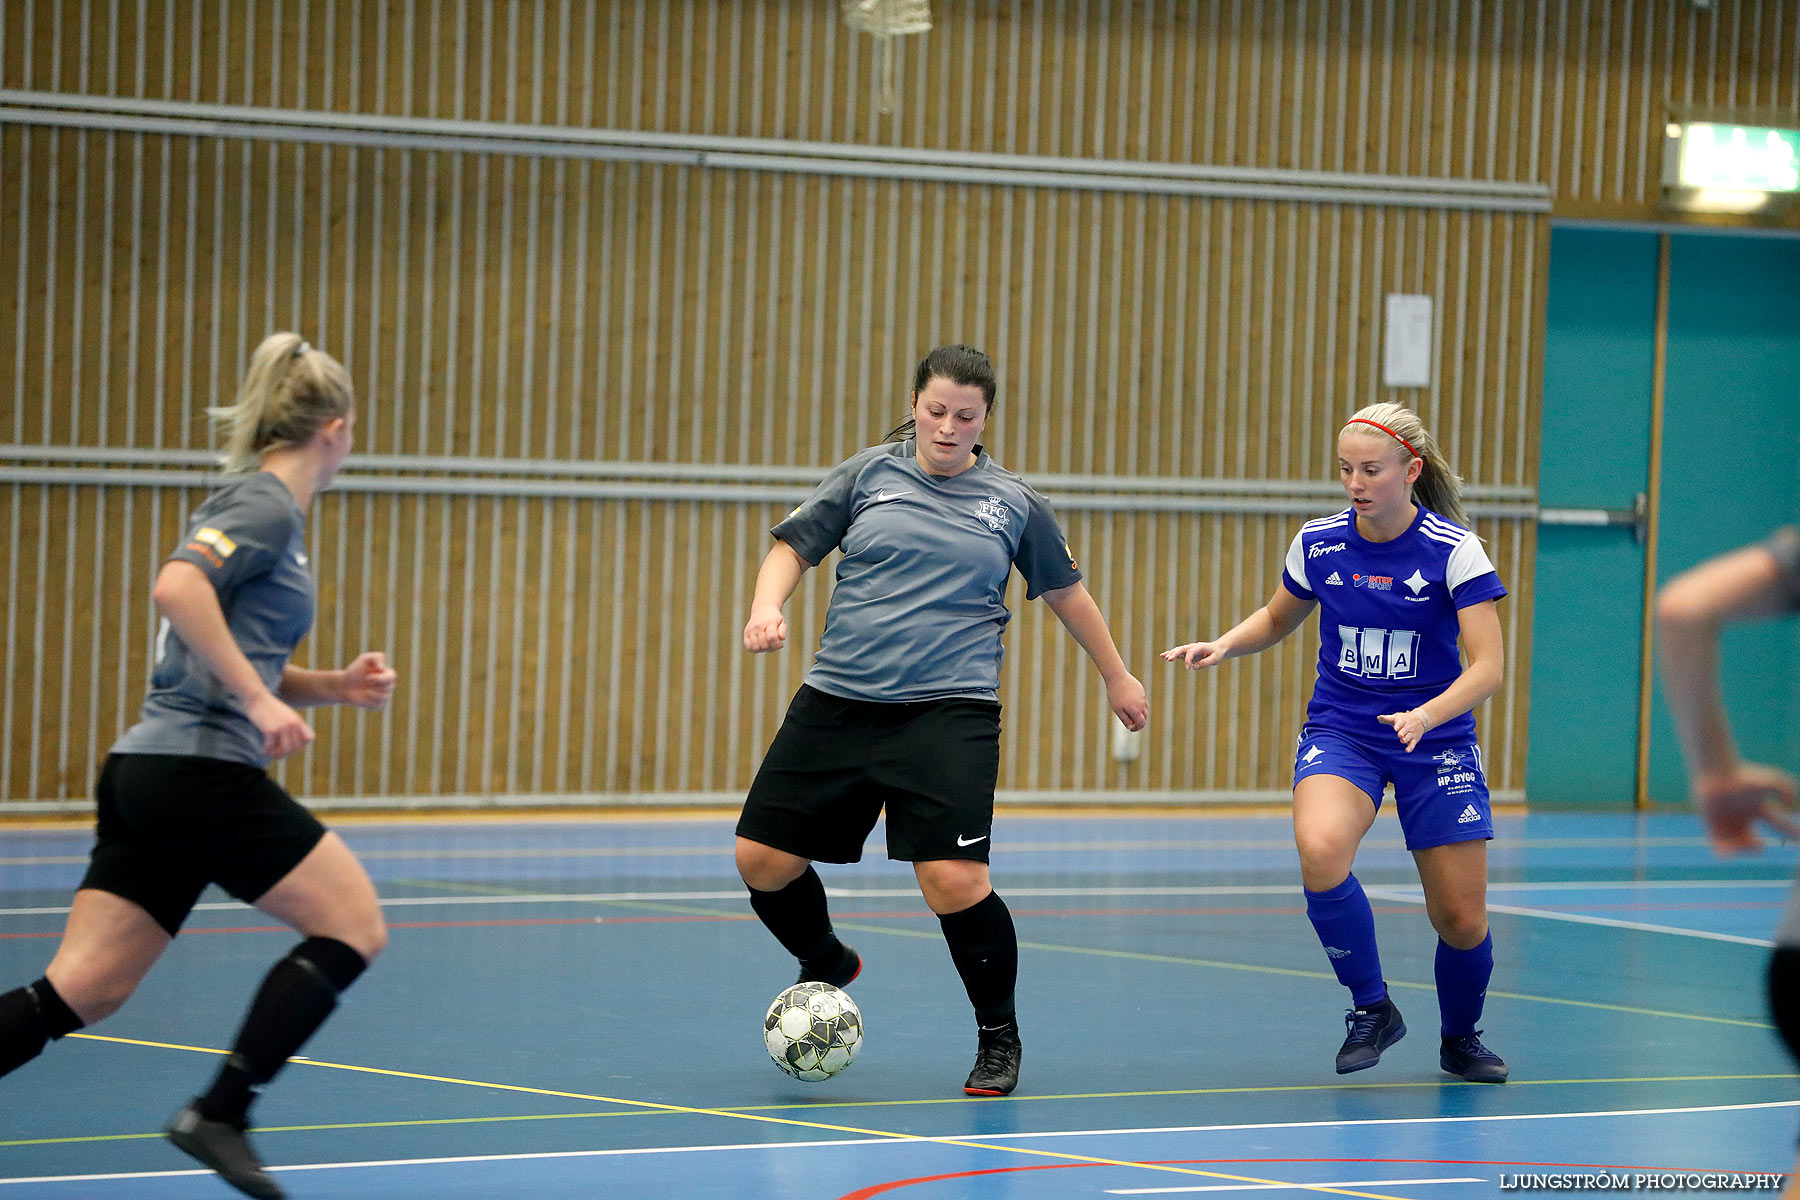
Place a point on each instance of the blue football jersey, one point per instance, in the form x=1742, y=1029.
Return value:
x=1388, y=618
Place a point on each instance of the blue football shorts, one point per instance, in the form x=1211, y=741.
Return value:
x=1440, y=792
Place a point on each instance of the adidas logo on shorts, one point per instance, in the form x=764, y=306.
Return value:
x=1334, y=952
x=1469, y=815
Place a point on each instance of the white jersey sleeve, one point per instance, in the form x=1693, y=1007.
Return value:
x=1468, y=561
x=1296, y=563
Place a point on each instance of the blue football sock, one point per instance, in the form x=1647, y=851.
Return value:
x=1462, y=981
x=1346, y=928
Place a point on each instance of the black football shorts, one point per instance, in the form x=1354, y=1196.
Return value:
x=836, y=763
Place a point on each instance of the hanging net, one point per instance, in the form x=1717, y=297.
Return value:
x=886, y=20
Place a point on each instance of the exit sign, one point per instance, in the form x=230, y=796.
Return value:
x=1738, y=157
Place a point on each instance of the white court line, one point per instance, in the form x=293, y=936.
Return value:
x=901, y=1140
x=1583, y=919
x=1292, y=890
x=1632, y=885
x=1288, y=1187
x=479, y=1158
x=732, y=894
x=1370, y=1121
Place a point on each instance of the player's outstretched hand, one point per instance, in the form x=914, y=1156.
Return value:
x=284, y=730
x=1734, y=803
x=369, y=681
x=1129, y=703
x=1409, y=726
x=766, y=631
x=1195, y=655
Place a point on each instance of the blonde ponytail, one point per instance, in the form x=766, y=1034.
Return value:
x=289, y=393
x=1438, y=488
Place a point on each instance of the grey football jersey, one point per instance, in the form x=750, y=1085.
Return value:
x=249, y=539
x=919, y=604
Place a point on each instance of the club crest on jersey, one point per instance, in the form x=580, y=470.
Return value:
x=212, y=545
x=1375, y=583
x=217, y=540
x=995, y=513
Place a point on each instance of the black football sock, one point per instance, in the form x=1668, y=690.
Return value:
x=1784, y=995
x=29, y=1017
x=296, y=996
x=800, y=920
x=985, y=949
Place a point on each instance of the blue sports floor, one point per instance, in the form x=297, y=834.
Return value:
x=572, y=1008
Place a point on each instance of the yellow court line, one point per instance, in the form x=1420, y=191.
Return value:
x=261, y=1129
x=760, y=1117
x=922, y=1102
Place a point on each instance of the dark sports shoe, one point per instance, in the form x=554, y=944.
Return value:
x=838, y=974
x=224, y=1147
x=996, y=1070
x=1466, y=1056
x=1369, y=1031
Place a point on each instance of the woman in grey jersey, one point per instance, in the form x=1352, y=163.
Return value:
x=1734, y=796
x=185, y=799
x=900, y=708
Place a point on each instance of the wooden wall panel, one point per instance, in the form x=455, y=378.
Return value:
x=563, y=311
x=556, y=647
x=1573, y=94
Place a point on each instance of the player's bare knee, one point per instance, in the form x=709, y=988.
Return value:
x=93, y=995
x=360, y=927
x=371, y=939
x=1462, y=929
x=755, y=869
x=765, y=868
x=98, y=1006
x=951, y=886
x=1324, y=861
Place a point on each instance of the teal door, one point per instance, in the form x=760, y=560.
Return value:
x=1730, y=473
x=1587, y=610
x=1731, y=467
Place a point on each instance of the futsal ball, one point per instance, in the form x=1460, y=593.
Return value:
x=813, y=1031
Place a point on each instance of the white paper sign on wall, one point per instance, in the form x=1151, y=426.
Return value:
x=1406, y=361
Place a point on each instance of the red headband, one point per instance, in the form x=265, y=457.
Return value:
x=1389, y=432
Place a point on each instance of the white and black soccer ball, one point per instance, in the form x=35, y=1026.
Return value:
x=813, y=1031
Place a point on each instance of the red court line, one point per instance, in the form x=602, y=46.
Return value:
x=690, y=919
x=877, y=1189
x=511, y=923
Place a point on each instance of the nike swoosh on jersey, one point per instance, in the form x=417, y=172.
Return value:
x=883, y=496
